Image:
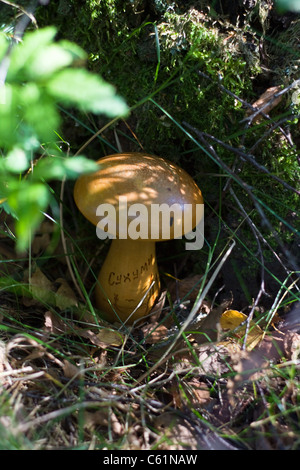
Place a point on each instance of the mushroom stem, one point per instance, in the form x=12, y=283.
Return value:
x=129, y=279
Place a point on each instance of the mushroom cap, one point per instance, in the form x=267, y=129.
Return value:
x=166, y=195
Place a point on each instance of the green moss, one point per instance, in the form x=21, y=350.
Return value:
x=283, y=50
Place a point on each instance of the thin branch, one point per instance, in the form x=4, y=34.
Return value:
x=247, y=156
x=258, y=111
x=248, y=189
x=27, y=16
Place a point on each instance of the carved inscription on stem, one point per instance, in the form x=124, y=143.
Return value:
x=129, y=277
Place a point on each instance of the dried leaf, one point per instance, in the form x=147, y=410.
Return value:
x=252, y=365
x=177, y=430
x=40, y=243
x=267, y=96
x=42, y=238
x=70, y=370
x=186, y=288
x=197, y=392
x=230, y=321
x=214, y=358
x=54, y=324
x=103, y=418
x=157, y=309
x=110, y=337
x=65, y=296
x=41, y=289
x=106, y=337
x=208, y=328
x=154, y=333
x=93, y=419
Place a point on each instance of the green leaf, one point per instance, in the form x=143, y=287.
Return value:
x=38, y=57
x=77, y=52
x=8, y=115
x=288, y=5
x=25, y=227
x=47, y=61
x=24, y=193
x=52, y=58
x=9, y=210
x=76, y=166
x=27, y=200
x=57, y=168
x=16, y=160
x=39, y=76
x=87, y=91
x=43, y=118
x=24, y=53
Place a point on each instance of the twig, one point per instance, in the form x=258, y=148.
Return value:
x=247, y=156
x=25, y=427
x=18, y=33
x=233, y=95
x=249, y=119
x=272, y=418
x=271, y=129
x=295, y=84
x=257, y=203
x=26, y=17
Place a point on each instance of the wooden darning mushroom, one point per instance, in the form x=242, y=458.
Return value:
x=135, y=193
